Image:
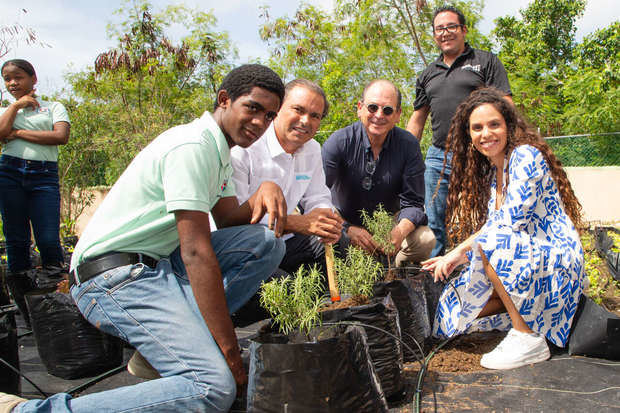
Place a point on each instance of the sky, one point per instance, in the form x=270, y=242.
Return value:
x=76, y=29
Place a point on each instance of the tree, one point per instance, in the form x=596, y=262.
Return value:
x=536, y=51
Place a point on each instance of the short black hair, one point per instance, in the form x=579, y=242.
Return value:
x=399, y=96
x=22, y=64
x=311, y=86
x=450, y=9
x=242, y=79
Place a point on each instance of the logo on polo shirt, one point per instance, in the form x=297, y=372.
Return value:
x=224, y=185
x=302, y=177
x=471, y=68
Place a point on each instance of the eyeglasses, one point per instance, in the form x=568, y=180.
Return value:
x=373, y=108
x=371, y=166
x=451, y=28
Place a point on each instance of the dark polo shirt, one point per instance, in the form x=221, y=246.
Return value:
x=444, y=87
x=397, y=183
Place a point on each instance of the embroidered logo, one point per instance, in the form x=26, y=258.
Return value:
x=302, y=177
x=224, y=184
x=43, y=109
x=472, y=68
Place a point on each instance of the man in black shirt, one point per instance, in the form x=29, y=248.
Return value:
x=440, y=88
x=373, y=162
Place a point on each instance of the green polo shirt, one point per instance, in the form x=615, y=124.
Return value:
x=185, y=168
x=41, y=118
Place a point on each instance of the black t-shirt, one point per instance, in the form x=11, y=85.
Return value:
x=443, y=88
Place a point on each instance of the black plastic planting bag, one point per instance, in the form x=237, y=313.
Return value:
x=604, y=244
x=385, y=350
x=331, y=373
x=9, y=352
x=416, y=296
x=410, y=300
x=595, y=332
x=69, y=346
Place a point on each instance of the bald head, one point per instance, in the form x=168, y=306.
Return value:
x=384, y=83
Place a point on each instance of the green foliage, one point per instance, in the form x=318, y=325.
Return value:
x=294, y=302
x=380, y=225
x=359, y=40
x=591, y=91
x=357, y=272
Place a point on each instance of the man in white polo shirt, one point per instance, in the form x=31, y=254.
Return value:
x=148, y=270
x=288, y=155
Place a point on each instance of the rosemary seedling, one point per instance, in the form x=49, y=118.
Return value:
x=293, y=302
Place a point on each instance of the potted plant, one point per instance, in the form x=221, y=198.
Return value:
x=356, y=274
x=303, y=366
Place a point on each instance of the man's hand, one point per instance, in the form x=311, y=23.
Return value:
x=399, y=233
x=269, y=199
x=362, y=238
x=322, y=222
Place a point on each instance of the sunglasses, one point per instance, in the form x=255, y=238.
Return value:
x=371, y=167
x=373, y=108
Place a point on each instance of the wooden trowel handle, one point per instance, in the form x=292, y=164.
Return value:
x=331, y=273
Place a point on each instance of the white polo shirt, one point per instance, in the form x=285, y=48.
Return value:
x=300, y=175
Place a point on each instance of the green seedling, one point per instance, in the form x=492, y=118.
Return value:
x=294, y=302
x=380, y=225
x=357, y=272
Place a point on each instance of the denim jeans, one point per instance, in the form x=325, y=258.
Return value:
x=29, y=193
x=154, y=309
x=436, y=205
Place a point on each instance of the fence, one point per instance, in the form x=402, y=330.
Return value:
x=587, y=149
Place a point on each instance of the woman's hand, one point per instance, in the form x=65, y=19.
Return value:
x=443, y=266
x=28, y=100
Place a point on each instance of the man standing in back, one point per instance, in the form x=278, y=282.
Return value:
x=440, y=88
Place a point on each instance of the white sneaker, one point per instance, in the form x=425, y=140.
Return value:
x=517, y=349
x=139, y=367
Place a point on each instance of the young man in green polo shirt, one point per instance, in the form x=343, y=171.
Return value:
x=148, y=269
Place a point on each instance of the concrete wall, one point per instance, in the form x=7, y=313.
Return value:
x=598, y=190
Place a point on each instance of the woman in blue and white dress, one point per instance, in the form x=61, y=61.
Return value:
x=525, y=265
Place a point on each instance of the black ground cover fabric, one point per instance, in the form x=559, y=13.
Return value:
x=385, y=350
x=9, y=351
x=69, y=346
x=595, y=332
x=330, y=371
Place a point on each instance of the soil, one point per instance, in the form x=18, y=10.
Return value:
x=349, y=302
x=462, y=355
x=610, y=299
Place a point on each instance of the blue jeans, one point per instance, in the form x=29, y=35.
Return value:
x=29, y=193
x=155, y=311
x=436, y=206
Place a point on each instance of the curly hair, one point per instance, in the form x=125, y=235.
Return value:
x=468, y=196
x=241, y=80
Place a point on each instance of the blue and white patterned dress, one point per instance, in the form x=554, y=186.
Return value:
x=535, y=250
